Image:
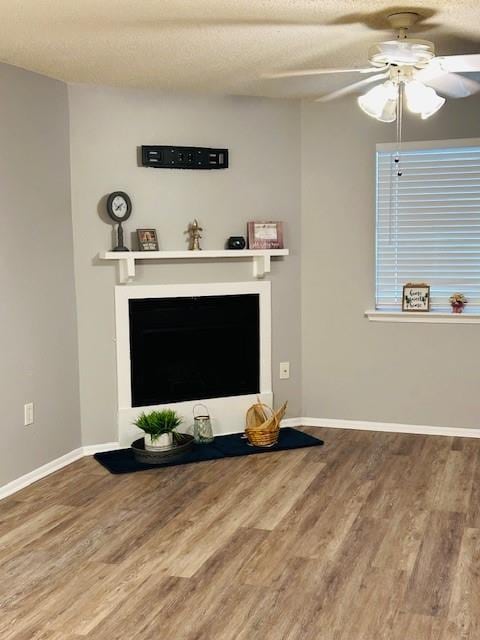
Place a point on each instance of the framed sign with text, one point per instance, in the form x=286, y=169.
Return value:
x=416, y=297
x=265, y=235
x=147, y=239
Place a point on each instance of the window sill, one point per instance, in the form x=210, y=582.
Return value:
x=436, y=317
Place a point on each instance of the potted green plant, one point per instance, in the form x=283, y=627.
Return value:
x=159, y=427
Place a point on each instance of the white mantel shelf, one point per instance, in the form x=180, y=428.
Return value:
x=127, y=259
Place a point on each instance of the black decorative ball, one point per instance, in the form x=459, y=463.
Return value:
x=236, y=242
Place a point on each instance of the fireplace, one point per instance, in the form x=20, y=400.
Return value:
x=182, y=344
x=194, y=348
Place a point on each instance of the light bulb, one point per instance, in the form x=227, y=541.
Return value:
x=380, y=102
x=422, y=99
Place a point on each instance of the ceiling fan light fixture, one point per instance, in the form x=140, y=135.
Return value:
x=380, y=102
x=389, y=112
x=408, y=52
x=429, y=112
x=422, y=99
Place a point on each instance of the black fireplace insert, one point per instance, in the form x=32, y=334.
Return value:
x=194, y=347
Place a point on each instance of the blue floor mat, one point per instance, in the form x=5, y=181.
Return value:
x=231, y=446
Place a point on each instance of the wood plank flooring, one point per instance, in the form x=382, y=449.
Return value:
x=374, y=536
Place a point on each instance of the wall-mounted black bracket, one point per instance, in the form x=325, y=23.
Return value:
x=167, y=157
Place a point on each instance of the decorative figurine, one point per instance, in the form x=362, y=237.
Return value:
x=194, y=236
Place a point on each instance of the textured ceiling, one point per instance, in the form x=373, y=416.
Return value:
x=220, y=46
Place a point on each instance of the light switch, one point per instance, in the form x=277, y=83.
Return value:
x=28, y=414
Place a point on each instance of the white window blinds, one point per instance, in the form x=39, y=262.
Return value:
x=428, y=224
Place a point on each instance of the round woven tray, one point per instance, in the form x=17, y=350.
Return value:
x=184, y=442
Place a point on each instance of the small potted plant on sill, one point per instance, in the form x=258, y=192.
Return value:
x=458, y=302
x=159, y=428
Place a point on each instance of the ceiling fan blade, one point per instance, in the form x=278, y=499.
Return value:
x=351, y=88
x=451, y=85
x=468, y=63
x=315, y=72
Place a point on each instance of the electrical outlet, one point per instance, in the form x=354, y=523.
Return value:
x=284, y=370
x=28, y=414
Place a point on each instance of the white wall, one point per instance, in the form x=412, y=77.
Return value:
x=37, y=313
x=263, y=182
x=353, y=368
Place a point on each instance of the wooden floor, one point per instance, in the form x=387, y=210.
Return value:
x=373, y=536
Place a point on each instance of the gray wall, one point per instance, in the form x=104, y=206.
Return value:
x=353, y=368
x=107, y=125
x=38, y=338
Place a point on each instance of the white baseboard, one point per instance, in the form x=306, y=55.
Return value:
x=46, y=469
x=41, y=472
x=292, y=422
x=391, y=427
x=91, y=449
x=333, y=423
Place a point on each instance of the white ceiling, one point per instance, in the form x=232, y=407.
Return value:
x=215, y=45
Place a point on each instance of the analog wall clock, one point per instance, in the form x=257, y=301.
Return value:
x=119, y=206
x=119, y=209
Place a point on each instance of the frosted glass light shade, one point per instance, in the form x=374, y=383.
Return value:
x=380, y=102
x=422, y=99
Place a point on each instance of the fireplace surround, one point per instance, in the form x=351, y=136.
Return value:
x=178, y=345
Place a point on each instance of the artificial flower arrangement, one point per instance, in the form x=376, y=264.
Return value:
x=458, y=302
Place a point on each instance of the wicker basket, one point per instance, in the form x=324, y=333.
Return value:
x=263, y=424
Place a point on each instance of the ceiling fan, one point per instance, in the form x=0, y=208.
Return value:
x=404, y=67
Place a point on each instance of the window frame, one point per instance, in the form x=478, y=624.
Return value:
x=396, y=315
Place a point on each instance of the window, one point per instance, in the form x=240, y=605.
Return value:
x=428, y=222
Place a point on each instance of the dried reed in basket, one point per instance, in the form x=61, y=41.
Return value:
x=263, y=424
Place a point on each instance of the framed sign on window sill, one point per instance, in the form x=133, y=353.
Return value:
x=416, y=297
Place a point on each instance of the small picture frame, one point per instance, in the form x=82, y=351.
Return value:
x=416, y=297
x=265, y=235
x=147, y=239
